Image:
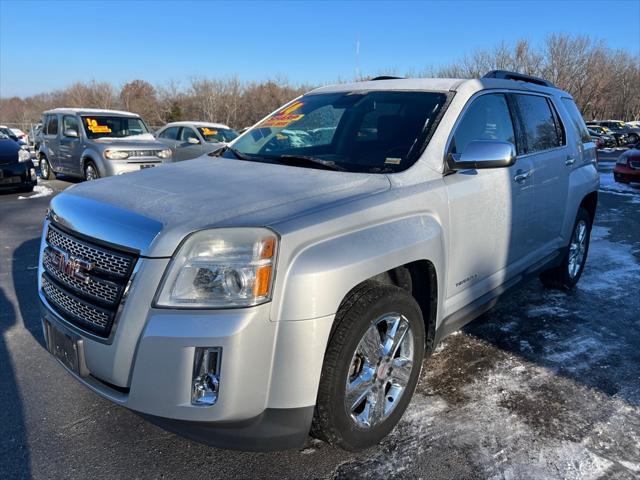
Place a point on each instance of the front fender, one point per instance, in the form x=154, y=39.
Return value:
x=319, y=277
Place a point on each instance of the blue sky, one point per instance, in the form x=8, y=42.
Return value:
x=46, y=45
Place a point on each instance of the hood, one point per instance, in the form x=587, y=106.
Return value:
x=154, y=209
x=8, y=151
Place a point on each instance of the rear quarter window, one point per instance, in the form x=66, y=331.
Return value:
x=577, y=120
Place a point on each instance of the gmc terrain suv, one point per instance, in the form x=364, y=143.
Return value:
x=296, y=282
x=92, y=143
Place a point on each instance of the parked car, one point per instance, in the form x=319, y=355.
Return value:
x=605, y=140
x=17, y=171
x=189, y=140
x=634, y=124
x=92, y=143
x=11, y=134
x=627, y=167
x=623, y=133
x=274, y=289
x=21, y=135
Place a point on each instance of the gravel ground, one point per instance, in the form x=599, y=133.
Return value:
x=545, y=385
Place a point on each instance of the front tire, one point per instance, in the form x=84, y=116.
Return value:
x=45, y=169
x=566, y=276
x=371, y=366
x=91, y=172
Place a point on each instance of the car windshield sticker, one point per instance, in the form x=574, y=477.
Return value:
x=284, y=117
x=393, y=160
x=92, y=125
x=208, y=132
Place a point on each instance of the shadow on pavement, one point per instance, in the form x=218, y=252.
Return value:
x=14, y=449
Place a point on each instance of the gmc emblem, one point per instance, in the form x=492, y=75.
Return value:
x=75, y=267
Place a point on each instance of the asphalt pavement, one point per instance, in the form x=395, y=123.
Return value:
x=545, y=385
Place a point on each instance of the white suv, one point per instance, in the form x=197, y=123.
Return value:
x=297, y=281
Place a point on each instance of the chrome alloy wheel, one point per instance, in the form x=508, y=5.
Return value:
x=44, y=167
x=577, y=248
x=91, y=173
x=379, y=371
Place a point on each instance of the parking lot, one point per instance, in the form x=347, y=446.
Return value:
x=547, y=384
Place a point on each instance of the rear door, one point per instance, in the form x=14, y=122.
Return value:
x=70, y=147
x=544, y=144
x=52, y=142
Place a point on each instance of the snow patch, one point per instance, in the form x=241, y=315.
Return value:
x=609, y=185
x=40, y=191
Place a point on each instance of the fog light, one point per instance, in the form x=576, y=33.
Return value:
x=206, y=375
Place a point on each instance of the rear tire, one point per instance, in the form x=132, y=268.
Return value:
x=45, y=169
x=371, y=366
x=566, y=276
x=91, y=171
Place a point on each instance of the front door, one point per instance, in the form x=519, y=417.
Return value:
x=490, y=209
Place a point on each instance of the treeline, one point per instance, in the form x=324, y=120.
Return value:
x=604, y=82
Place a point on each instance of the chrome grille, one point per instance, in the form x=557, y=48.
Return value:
x=82, y=281
x=74, y=308
x=102, y=290
x=104, y=260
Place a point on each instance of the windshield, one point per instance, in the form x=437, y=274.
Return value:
x=100, y=126
x=355, y=131
x=217, y=135
x=616, y=126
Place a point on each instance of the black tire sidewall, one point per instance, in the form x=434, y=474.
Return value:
x=571, y=282
x=384, y=299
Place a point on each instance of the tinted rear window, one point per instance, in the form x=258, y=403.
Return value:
x=578, y=122
x=539, y=125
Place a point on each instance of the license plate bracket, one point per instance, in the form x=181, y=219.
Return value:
x=67, y=348
x=142, y=167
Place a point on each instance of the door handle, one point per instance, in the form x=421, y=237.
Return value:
x=522, y=176
x=570, y=160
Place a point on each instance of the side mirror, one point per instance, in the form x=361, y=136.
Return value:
x=71, y=133
x=484, y=154
x=193, y=141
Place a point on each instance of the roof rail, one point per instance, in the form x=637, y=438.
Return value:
x=521, y=77
x=386, y=77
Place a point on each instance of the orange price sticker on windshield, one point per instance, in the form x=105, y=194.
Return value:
x=284, y=117
x=207, y=132
x=92, y=125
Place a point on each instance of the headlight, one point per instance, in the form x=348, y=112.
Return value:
x=164, y=153
x=116, y=154
x=23, y=155
x=221, y=268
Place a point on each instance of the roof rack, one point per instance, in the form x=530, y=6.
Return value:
x=521, y=77
x=386, y=77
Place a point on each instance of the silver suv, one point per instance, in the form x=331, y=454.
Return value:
x=297, y=282
x=93, y=143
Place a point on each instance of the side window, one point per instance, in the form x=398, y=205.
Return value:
x=52, y=127
x=70, y=122
x=170, y=133
x=577, y=120
x=186, y=133
x=487, y=118
x=538, y=123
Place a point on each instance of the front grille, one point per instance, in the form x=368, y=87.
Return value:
x=84, y=282
x=143, y=153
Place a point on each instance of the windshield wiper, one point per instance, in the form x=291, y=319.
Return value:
x=328, y=164
x=239, y=155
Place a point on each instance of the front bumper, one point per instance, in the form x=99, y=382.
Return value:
x=18, y=175
x=119, y=167
x=268, y=378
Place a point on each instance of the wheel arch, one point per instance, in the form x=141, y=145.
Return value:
x=590, y=203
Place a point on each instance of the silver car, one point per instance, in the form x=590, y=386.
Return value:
x=189, y=140
x=94, y=143
x=296, y=282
